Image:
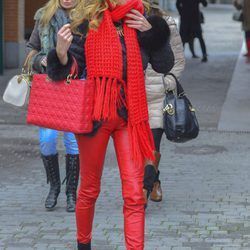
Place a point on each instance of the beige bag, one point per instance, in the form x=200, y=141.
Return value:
x=18, y=88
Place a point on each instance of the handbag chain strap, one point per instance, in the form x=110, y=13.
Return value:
x=26, y=69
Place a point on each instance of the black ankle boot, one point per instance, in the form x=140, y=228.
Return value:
x=81, y=246
x=72, y=176
x=53, y=177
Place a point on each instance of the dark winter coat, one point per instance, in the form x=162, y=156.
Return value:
x=190, y=26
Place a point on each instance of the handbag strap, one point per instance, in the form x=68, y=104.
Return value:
x=27, y=63
x=180, y=90
x=74, y=69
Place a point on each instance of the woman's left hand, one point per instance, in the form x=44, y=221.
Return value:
x=137, y=21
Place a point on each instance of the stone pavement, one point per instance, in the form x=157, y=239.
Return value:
x=205, y=181
x=237, y=103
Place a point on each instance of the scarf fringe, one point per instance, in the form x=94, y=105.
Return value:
x=141, y=142
x=107, y=98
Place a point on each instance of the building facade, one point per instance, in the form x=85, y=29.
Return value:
x=16, y=22
x=1, y=37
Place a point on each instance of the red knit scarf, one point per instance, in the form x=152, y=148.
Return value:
x=105, y=66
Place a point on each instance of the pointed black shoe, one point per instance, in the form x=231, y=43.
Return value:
x=204, y=59
x=81, y=246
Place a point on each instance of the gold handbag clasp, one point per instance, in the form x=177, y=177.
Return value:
x=68, y=79
x=192, y=109
x=169, y=109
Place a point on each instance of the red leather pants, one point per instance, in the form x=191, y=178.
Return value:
x=92, y=153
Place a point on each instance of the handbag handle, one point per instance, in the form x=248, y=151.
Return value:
x=73, y=71
x=180, y=90
x=74, y=67
x=27, y=65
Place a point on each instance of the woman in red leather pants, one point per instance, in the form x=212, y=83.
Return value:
x=112, y=43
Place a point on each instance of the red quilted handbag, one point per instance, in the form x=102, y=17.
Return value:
x=65, y=105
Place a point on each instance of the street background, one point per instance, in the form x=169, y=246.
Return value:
x=206, y=203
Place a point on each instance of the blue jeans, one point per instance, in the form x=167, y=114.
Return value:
x=48, y=140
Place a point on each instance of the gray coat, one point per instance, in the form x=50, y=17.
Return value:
x=43, y=39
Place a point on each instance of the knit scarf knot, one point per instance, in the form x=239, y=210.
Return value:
x=105, y=66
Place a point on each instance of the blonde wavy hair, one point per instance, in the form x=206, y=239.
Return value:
x=92, y=11
x=50, y=8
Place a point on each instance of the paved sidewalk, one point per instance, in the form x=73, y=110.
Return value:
x=205, y=181
x=235, y=114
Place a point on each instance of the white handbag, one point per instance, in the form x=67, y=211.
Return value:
x=18, y=87
x=17, y=91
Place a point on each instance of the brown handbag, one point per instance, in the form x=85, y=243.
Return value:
x=65, y=105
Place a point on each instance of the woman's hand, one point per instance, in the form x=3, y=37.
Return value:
x=64, y=39
x=137, y=21
x=44, y=61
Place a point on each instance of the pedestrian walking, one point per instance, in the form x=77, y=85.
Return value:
x=190, y=24
x=244, y=5
x=49, y=20
x=120, y=107
x=155, y=95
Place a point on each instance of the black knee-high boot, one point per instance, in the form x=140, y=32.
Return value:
x=53, y=177
x=72, y=176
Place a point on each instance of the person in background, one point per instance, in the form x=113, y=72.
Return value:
x=49, y=20
x=190, y=24
x=244, y=5
x=155, y=95
x=114, y=41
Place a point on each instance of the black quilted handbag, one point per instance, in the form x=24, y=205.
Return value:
x=179, y=119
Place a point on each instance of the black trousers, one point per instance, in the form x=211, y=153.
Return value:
x=202, y=44
x=157, y=134
x=247, y=34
